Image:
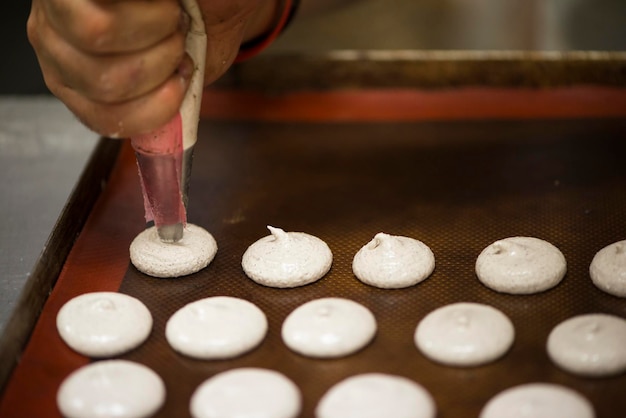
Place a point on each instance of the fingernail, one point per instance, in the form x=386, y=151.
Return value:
x=184, y=22
x=185, y=68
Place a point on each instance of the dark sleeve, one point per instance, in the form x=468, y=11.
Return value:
x=258, y=44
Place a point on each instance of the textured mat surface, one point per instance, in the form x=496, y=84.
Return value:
x=455, y=186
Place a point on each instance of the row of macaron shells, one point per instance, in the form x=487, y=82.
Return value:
x=351, y=325
x=325, y=310
x=517, y=265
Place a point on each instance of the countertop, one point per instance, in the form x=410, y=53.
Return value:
x=43, y=150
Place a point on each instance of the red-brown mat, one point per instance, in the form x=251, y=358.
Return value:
x=458, y=186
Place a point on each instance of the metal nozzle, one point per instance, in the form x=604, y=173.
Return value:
x=185, y=174
x=171, y=233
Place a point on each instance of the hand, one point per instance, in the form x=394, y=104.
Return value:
x=120, y=65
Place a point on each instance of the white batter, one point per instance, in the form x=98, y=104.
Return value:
x=287, y=259
x=329, y=327
x=521, y=265
x=104, y=324
x=246, y=393
x=589, y=345
x=608, y=269
x=216, y=328
x=376, y=395
x=464, y=334
x=159, y=259
x=538, y=400
x=111, y=389
x=393, y=262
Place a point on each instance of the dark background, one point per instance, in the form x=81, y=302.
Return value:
x=19, y=71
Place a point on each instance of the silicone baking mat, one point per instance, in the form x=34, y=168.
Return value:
x=456, y=186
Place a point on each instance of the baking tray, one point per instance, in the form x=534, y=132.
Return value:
x=457, y=186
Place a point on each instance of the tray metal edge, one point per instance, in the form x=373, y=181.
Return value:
x=50, y=262
x=432, y=69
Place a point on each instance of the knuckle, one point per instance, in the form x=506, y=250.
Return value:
x=34, y=25
x=32, y=31
x=95, y=33
x=98, y=118
x=118, y=82
x=53, y=84
x=86, y=27
x=106, y=90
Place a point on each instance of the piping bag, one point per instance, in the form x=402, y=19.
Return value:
x=164, y=155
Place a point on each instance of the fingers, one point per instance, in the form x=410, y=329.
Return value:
x=113, y=26
x=115, y=77
x=127, y=119
x=121, y=93
x=120, y=65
